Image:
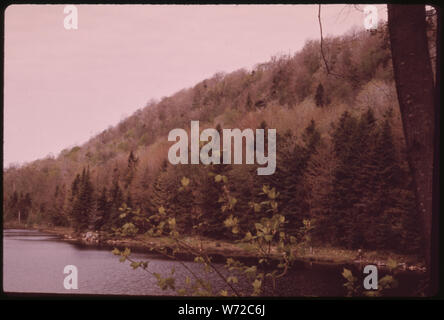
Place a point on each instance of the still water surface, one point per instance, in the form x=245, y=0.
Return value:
x=33, y=262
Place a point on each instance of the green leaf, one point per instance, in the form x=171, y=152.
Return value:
x=185, y=181
x=274, y=205
x=174, y=234
x=172, y=222
x=257, y=285
x=116, y=252
x=248, y=236
x=251, y=270
x=230, y=221
x=347, y=274
x=218, y=178
x=126, y=252
x=232, y=279
x=272, y=194
x=224, y=293
x=230, y=261
x=199, y=260
x=170, y=282
x=387, y=282
x=392, y=264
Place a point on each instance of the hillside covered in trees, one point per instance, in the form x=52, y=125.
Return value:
x=341, y=162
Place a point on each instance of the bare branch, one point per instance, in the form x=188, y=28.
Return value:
x=327, y=68
x=322, y=40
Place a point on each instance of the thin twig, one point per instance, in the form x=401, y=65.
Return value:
x=194, y=251
x=172, y=257
x=322, y=40
x=327, y=68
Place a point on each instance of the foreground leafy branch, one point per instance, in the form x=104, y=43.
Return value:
x=268, y=240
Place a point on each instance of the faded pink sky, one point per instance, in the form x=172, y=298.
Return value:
x=63, y=86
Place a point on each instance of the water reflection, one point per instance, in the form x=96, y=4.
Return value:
x=34, y=262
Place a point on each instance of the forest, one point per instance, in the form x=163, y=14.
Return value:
x=341, y=163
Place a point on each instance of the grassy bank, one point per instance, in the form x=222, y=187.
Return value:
x=224, y=249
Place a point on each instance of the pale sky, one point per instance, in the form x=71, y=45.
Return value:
x=61, y=86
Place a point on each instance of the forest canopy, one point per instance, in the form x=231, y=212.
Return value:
x=341, y=159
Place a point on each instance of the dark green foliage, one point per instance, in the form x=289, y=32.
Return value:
x=290, y=181
x=131, y=169
x=83, y=202
x=19, y=205
x=56, y=211
x=11, y=212
x=103, y=212
x=211, y=192
x=370, y=205
x=116, y=200
x=161, y=194
x=184, y=209
x=319, y=96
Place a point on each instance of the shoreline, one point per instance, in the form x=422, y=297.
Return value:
x=220, y=250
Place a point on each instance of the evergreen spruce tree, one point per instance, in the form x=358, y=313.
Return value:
x=162, y=190
x=369, y=205
x=56, y=211
x=293, y=204
x=363, y=215
x=212, y=191
x=131, y=169
x=24, y=205
x=84, y=202
x=249, y=104
x=75, y=186
x=260, y=181
x=103, y=211
x=339, y=222
x=116, y=200
x=395, y=200
x=319, y=96
x=12, y=206
x=183, y=206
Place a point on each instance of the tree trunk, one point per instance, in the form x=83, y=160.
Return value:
x=435, y=219
x=416, y=97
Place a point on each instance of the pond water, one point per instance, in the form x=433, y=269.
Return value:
x=33, y=262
